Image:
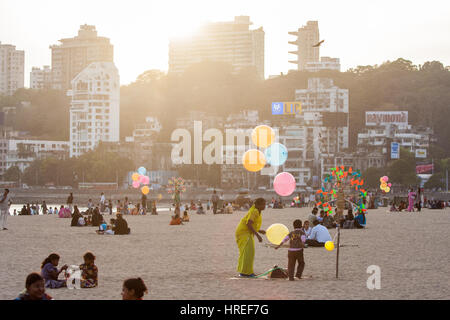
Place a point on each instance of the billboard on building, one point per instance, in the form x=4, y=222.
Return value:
x=421, y=153
x=395, y=150
x=286, y=107
x=424, y=168
x=376, y=118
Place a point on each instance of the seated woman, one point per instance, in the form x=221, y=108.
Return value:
x=176, y=220
x=185, y=216
x=200, y=210
x=229, y=208
x=349, y=220
x=34, y=288
x=402, y=206
x=89, y=272
x=328, y=222
x=393, y=208
x=50, y=273
x=360, y=220
x=76, y=217
x=121, y=226
x=193, y=207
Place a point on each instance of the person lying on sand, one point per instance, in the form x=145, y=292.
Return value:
x=176, y=220
x=133, y=289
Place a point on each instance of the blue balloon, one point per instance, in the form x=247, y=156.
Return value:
x=276, y=154
x=142, y=171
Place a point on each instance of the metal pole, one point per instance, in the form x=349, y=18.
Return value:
x=446, y=183
x=337, y=252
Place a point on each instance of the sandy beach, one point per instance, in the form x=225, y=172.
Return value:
x=198, y=260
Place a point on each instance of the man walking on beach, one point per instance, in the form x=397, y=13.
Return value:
x=214, y=200
x=4, y=209
x=70, y=201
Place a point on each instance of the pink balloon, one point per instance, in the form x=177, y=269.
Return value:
x=385, y=179
x=389, y=185
x=146, y=180
x=141, y=178
x=284, y=184
x=136, y=184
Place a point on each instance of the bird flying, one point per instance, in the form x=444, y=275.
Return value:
x=318, y=44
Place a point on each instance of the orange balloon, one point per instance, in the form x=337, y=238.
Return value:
x=145, y=190
x=135, y=176
x=263, y=136
x=253, y=160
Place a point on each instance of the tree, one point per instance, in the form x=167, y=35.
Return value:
x=12, y=174
x=403, y=171
x=372, y=177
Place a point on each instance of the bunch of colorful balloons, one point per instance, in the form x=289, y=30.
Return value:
x=275, y=154
x=139, y=178
x=385, y=186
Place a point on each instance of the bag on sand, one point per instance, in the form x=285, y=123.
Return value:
x=278, y=272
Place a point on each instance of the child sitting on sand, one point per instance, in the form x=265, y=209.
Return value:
x=50, y=273
x=133, y=289
x=34, y=288
x=185, y=216
x=200, y=209
x=89, y=272
x=297, y=241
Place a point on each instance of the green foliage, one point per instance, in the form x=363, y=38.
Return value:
x=94, y=166
x=372, y=177
x=211, y=87
x=47, y=116
x=403, y=170
x=12, y=174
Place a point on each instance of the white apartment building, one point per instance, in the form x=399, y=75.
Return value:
x=22, y=152
x=95, y=107
x=232, y=42
x=377, y=139
x=12, y=74
x=41, y=78
x=326, y=63
x=307, y=37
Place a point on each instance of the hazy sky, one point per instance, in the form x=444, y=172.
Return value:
x=358, y=32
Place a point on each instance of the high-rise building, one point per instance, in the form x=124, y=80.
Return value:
x=95, y=107
x=232, y=42
x=307, y=37
x=74, y=54
x=11, y=69
x=41, y=78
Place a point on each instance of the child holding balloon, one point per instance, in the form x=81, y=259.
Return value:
x=297, y=241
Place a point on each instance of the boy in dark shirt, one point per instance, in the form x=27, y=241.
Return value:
x=297, y=240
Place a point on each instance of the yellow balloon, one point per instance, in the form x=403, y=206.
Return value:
x=276, y=233
x=160, y=196
x=329, y=245
x=135, y=176
x=253, y=160
x=263, y=136
x=387, y=189
x=145, y=190
x=383, y=185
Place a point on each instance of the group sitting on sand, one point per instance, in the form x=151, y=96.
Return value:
x=35, y=283
x=117, y=226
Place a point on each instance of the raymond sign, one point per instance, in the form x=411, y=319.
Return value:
x=376, y=118
x=286, y=107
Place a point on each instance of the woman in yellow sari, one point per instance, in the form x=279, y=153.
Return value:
x=248, y=227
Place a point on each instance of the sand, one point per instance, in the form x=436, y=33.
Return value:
x=198, y=260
